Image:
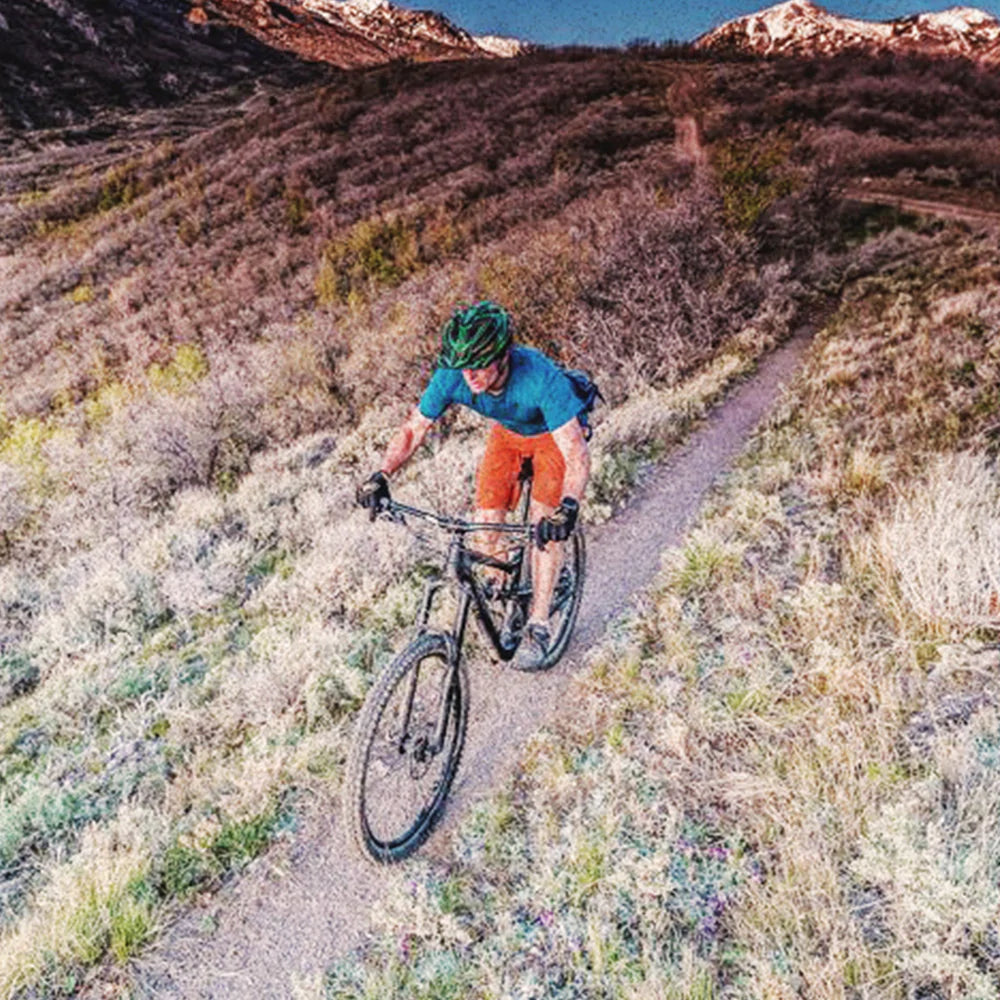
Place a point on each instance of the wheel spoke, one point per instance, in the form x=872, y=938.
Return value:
x=399, y=771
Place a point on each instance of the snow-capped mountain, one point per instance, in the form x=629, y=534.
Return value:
x=383, y=20
x=498, y=45
x=427, y=24
x=352, y=32
x=799, y=27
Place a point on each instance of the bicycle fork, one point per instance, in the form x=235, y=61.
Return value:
x=448, y=691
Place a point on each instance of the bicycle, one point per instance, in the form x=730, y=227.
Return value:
x=411, y=729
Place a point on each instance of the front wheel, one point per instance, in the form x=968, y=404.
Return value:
x=406, y=749
x=566, y=598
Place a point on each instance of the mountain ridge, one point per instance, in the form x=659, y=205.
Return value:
x=352, y=33
x=63, y=62
x=805, y=29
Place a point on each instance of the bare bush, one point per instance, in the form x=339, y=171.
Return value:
x=672, y=284
x=96, y=599
x=205, y=436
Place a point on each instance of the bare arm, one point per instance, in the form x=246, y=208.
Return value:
x=573, y=445
x=405, y=441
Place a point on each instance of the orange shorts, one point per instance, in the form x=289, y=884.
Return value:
x=497, y=485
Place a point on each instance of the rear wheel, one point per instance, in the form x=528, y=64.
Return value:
x=406, y=750
x=566, y=597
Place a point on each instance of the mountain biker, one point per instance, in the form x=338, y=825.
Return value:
x=534, y=412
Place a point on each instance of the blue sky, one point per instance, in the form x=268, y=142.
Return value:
x=607, y=22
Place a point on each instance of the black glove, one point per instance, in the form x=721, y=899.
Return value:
x=373, y=493
x=559, y=525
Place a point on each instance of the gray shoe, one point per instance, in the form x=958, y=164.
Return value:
x=534, y=648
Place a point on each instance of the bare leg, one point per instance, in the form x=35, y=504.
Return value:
x=489, y=541
x=545, y=566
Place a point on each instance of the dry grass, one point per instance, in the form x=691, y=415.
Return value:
x=97, y=902
x=943, y=542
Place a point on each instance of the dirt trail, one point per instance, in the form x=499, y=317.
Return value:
x=272, y=934
x=289, y=917
x=688, y=142
x=923, y=206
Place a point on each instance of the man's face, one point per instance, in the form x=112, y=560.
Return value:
x=483, y=379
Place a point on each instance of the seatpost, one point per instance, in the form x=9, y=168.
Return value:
x=454, y=563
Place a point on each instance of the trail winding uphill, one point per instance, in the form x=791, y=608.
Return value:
x=689, y=142
x=279, y=928
x=273, y=933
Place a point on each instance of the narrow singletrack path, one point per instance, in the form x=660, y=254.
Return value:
x=272, y=934
x=688, y=142
x=923, y=206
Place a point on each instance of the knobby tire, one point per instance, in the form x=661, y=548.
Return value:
x=395, y=789
x=569, y=591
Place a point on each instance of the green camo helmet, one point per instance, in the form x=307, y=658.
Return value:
x=476, y=336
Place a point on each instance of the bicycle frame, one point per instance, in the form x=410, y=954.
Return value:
x=413, y=723
x=459, y=571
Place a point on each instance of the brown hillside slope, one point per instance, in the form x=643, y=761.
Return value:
x=208, y=331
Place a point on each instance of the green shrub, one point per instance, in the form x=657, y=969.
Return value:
x=188, y=366
x=105, y=400
x=22, y=447
x=240, y=841
x=375, y=253
x=120, y=187
x=298, y=208
x=82, y=294
x=131, y=920
x=18, y=676
x=752, y=174
x=182, y=871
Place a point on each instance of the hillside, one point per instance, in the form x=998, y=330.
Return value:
x=65, y=63
x=910, y=125
x=210, y=317
x=82, y=63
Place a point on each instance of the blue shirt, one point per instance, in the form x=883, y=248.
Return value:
x=537, y=397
